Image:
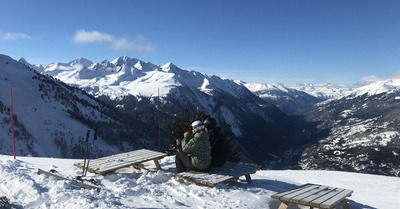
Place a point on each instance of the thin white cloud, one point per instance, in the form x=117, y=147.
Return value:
x=373, y=78
x=84, y=37
x=14, y=36
x=394, y=76
x=123, y=44
x=118, y=44
x=370, y=78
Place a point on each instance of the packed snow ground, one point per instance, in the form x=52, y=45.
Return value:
x=149, y=189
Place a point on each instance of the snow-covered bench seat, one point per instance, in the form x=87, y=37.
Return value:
x=230, y=171
x=314, y=195
x=111, y=163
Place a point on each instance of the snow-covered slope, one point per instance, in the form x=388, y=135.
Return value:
x=325, y=91
x=378, y=87
x=26, y=189
x=51, y=118
x=358, y=132
x=289, y=100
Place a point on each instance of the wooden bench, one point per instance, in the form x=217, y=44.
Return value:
x=314, y=195
x=230, y=171
x=111, y=163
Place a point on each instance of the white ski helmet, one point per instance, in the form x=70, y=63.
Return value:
x=198, y=125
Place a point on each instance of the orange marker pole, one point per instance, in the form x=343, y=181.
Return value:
x=159, y=124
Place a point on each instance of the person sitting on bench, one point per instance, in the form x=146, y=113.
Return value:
x=195, y=153
x=219, y=145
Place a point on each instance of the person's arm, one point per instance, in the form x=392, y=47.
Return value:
x=189, y=145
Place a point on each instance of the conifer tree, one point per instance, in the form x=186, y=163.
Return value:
x=234, y=152
x=176, y=131
x=201, y=115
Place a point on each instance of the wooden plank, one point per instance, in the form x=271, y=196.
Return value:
x=223, y=174
x=277, y=196
x=203, y=178
x=340, y=195
x=108, y=159
x=137, y=155
x=112, y=167
x=304, y=192
x=317, y=193
x=318, y=202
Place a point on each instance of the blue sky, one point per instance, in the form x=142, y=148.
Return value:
x=264, y=41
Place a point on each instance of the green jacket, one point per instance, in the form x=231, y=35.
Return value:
x=199, y=148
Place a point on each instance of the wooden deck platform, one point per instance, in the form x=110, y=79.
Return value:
x=314, y=195
x=229, y=172
x=111, y=163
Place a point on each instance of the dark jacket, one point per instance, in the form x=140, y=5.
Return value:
x=219, y=147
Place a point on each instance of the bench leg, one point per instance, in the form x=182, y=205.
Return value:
x=283, y=205
x=248, y=178
x=157, y=164
x=345, y=205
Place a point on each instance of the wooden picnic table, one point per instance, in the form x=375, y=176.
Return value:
x=111, y=163
x=314, y=195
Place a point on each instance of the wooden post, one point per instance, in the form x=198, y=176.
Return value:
x=158, y=166
x=345, y=205
x=248, y=178
x=283, y=205
x=12, y=123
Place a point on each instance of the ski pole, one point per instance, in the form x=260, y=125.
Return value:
x=85, y=154
x=94, y=139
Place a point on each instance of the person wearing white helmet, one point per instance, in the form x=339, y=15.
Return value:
x=196, y=152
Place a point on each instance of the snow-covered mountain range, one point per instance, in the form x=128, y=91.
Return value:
x=126, y=76
x=274, y=124
x=359, y=131
x=262, y=130
x=327, y=90
x=289, y=100
x=52, y=118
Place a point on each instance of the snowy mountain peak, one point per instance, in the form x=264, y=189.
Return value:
x=23, y=61
x=169, y=67
x=254, y=87
x=104, y=65
x=81, y=61
x=377, y=87
x=124, y=60
x=7, y=62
